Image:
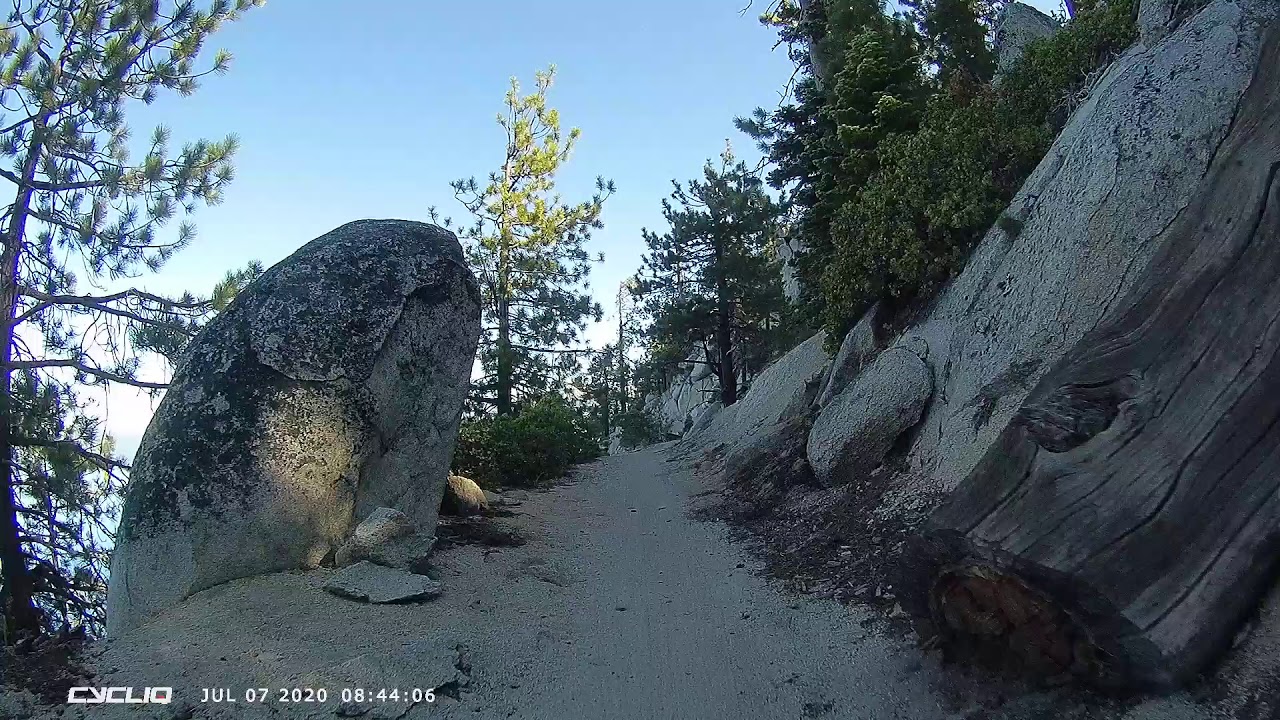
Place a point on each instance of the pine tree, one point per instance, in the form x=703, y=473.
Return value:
x=596, y=393
x=708, y=280
x=626, y=333
x=823, y=144
x=528, y=248
x=604, y=386
x=955, y=38
x=68, y=68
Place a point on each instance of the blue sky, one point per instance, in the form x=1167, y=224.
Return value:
x=349, y=110
x=359, y=110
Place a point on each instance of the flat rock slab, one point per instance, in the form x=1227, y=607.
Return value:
x=368, y=582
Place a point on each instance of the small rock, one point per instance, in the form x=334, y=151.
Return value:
x=367, y=582
x=387, y=537
x=462, y=496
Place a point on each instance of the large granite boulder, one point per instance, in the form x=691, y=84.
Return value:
x=783, y=389
x=331, y=387
x=855, y=431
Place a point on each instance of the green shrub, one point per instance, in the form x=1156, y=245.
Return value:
x=939, y=187
x=638, y=428
x=1041, y=86
x=532, y=448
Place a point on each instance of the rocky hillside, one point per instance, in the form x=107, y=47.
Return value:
x=1067, y=452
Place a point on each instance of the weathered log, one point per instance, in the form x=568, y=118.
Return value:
x=1127, y=518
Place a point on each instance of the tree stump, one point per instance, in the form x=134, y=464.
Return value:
x=1128, y=517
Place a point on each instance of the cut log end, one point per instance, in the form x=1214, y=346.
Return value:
x=995, y=619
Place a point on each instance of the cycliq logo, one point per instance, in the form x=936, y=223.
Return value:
x=118, y=695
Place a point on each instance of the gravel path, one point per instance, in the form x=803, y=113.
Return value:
x=620, y=605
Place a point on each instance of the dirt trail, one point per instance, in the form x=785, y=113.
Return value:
x=620, y=605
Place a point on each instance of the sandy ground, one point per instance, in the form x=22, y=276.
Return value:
x=620, y=605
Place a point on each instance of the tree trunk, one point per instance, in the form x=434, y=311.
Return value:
x=816, y=61
x=724, y=343
x=1126, y=521
x=605, y=408
x=622, y=359
x=21, y=615
x=505, y=374
x=505, y=371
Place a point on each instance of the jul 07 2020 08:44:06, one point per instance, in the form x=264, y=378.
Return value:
x=319, y=695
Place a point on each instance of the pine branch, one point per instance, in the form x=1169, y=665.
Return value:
x=526, y=348
x=86, y=369
x=98, y=303
x=99, y=461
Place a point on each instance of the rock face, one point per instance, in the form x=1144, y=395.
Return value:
x=852, y=435
x=330, y=387
x=1156, y=18
x=694, y=389
x=705, y=419
x=1153, y=18
x=860, y=345
x=785, y=387
x=1018, y=26
x=762, y=466
x=1128, y=161
x=1137, y=488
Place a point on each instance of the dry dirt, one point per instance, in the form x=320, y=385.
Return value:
x=620, y=603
